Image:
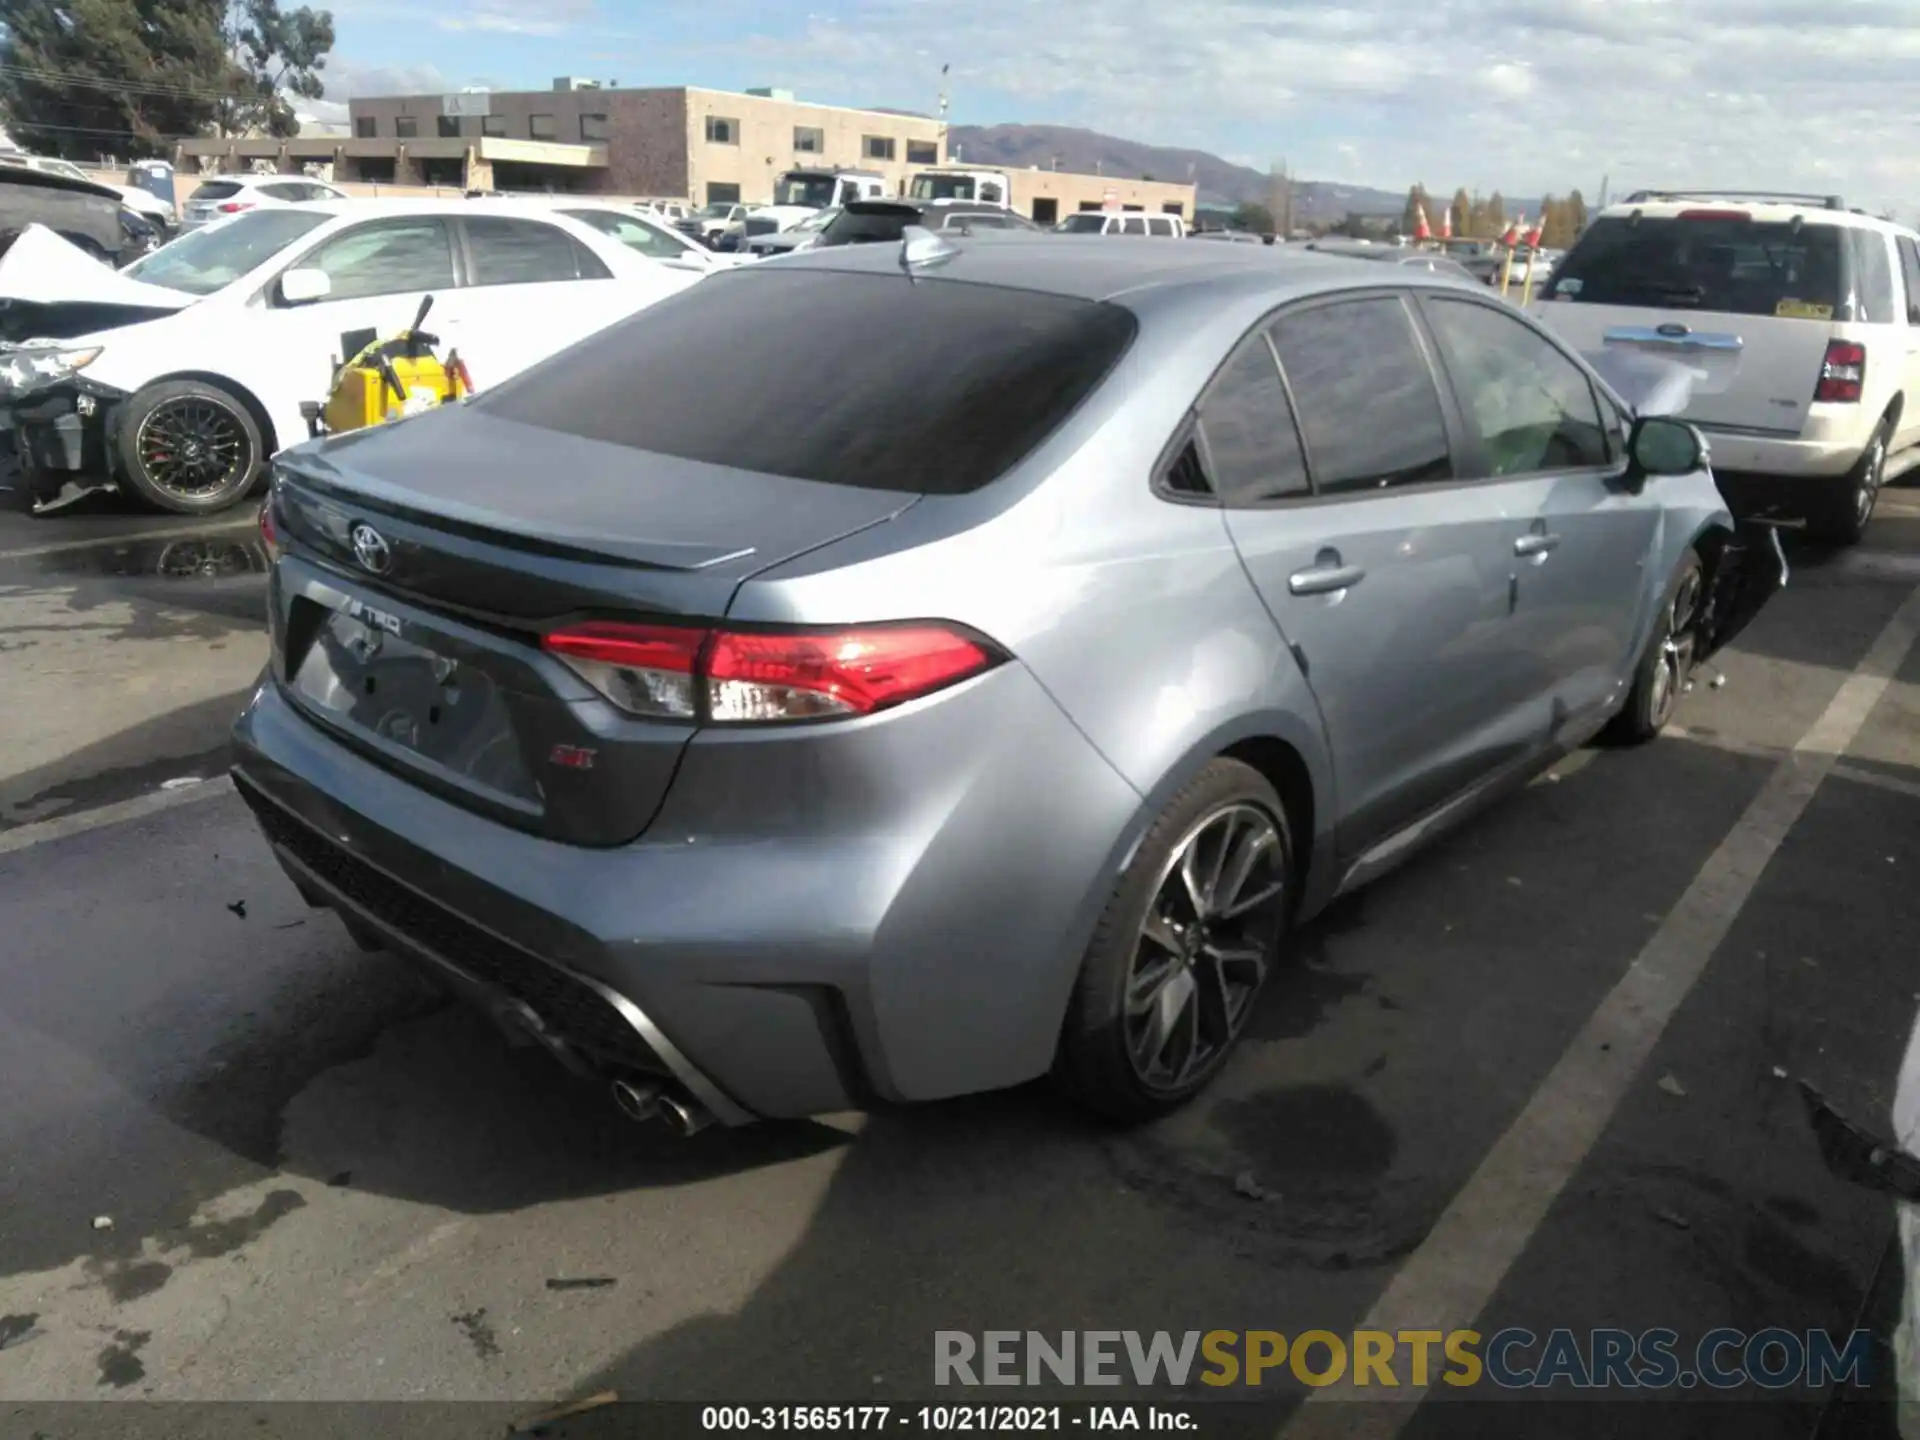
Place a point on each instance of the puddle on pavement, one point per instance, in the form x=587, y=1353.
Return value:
x=193, y=557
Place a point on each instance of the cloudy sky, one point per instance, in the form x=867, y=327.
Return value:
x=1525, y=95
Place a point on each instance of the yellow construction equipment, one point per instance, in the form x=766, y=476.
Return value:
x=387, y=379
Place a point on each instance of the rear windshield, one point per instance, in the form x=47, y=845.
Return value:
x=936, y=387
x=1736, y=267
x=866, y=227
x=216, y=190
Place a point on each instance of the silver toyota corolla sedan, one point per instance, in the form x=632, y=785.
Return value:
x=974, y=675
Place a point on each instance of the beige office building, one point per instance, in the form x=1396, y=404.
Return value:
x=680, y=143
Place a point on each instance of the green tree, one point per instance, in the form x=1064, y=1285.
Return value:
x=1576, y=214
x=1462, y=209
x=1496, y=219
x=1248, y=215
x=84, y=77
x=276, y=52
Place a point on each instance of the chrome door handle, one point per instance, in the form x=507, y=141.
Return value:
x=1323, y=581
x=1535, y=544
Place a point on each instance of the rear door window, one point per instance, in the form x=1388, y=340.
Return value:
x=1736, y=267
x=1910, y=274
x=1873, y=289
x=1365, y=396
x=950, y=386
x=1253, y=451
x=526, y=252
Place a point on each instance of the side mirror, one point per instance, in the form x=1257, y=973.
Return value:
x=303, y=287
x=1662, y=445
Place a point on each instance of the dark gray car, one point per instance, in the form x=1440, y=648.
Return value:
x=78, y=211
x=868, y=222
x=988, y=695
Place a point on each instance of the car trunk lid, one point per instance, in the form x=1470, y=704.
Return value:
x=1748, y=306
x=419, y=578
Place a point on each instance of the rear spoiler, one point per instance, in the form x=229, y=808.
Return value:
x=1650, y=384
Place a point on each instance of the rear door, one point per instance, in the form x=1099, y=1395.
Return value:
x=1539, y=433
x=1390, y=579
x=1909, y=433
x=1748, y=305
x=533, y=289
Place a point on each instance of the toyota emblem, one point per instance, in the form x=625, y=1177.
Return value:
x=370, y=548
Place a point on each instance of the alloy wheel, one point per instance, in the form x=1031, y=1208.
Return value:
x=191, y=446
x=1212, y=927
x=1677, y=644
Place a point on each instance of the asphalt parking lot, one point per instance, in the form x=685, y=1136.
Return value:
x=1534, y=1078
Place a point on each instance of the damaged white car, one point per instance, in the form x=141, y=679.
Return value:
x=177, y=378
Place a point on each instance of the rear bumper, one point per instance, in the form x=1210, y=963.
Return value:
x=1781, y=460
x=813, y=943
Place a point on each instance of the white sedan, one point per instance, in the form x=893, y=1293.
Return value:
x=245, y=319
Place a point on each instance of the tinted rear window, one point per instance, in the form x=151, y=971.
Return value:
x=1738, y=267
x=866, y=227
x=216, y=190
x=935, y=387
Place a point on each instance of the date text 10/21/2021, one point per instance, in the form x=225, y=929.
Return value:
x=942, y=1419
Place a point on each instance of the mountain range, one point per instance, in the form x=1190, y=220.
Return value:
x=1219, y=182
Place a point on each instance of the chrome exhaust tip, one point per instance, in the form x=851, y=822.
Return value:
x=684, y=1115
x=640, y=1102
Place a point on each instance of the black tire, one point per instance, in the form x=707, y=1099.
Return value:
x=1667, y=664
x=1219, y=965
x=1842, y=519
x=189, y=446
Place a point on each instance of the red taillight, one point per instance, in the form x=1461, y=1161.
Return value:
x=234, y=207
x=754, y=676
x=1842, y=373
x=269, y=535
x=1714, y=215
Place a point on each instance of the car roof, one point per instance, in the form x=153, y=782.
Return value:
x=1090, y=267
x=1781, y=210
x=382, y=205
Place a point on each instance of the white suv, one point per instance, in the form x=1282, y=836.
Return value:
x=225, y=195
x=1800, y=320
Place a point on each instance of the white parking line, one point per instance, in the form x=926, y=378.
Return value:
x=172, y=532
x=39, y=832
x=1449, y=1279
x=1874, y=778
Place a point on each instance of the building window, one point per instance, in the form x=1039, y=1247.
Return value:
x=494, y=125
x=719, y=194
x=923, y=152
x=405, y=127
x=877, y=147
x=1173, y=207
x=365, y=127
x=1133, y=207
x=449, y=127
x=808, y=140
x=722, y=131
x=540, y=127
x=593, y=127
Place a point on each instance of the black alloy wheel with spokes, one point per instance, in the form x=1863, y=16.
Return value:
x=189, y=446
x=1183, y=949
